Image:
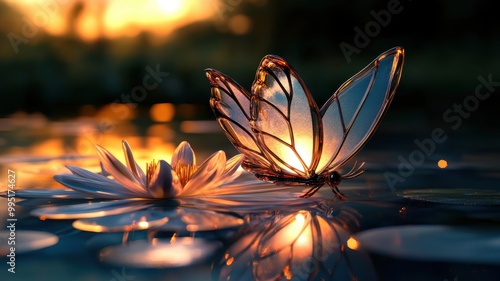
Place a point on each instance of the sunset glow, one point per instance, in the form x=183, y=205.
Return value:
x=90, y=20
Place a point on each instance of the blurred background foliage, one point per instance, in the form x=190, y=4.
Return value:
x=65, y=58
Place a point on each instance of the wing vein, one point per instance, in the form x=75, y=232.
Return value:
x=341, y=115
x=281, y=160
x=231, y=94
x=360, y=106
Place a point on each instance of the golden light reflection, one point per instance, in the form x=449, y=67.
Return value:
x=74, y=144
x=162, y=131
x=287, y=272
x=197, y=127
x=116, y=112
x=162, y=112
x=298, y=230
x=298, y=245
x=143, y=224
x=305, y=237
x=50, y=147
x=442, y=163
x=352, y=243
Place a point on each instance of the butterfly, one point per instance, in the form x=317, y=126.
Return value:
x=285, y=138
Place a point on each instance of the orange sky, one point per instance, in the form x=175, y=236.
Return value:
x=113, y=18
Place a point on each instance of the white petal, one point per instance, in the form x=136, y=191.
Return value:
x=97, y=189
x=161, y=185
x=207, y=174
x=89, y=175
x=230, y=173
x=120, y=173
x=232, y=165
x=183, y=155
x=132, y=165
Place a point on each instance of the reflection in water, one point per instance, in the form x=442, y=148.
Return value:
x=342, y=214
x=303, y=245
x=38, y=148
x=163, y=219
x=160, y=253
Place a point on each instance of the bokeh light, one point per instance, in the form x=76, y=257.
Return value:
x=442, y=163
x=352, y=243
x=162, y=112
x=240, y=24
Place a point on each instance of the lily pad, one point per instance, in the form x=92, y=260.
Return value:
x=160, y=253
x=434, y=243
x=25, y=241
x=461, y=196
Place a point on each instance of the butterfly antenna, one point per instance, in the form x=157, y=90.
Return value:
x=355, y=171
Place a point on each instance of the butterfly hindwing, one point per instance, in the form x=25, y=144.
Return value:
x=352, y=114
x=285, y=119
x=231, y=105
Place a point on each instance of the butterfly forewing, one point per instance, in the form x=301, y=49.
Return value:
x=285, y=118
x=231, y=105
x=351, y=115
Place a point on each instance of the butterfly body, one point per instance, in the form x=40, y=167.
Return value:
x=286, y=138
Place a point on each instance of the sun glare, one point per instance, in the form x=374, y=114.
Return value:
x=172, y=8
x=90, y=19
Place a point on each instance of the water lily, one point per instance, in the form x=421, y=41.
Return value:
x=181, y=178
x=168, y=196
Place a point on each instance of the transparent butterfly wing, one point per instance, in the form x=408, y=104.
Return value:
x=231, y=106
x=352, y=114
x=285, y=119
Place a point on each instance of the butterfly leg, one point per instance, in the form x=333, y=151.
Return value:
x=311, y=191
x=341, y=196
